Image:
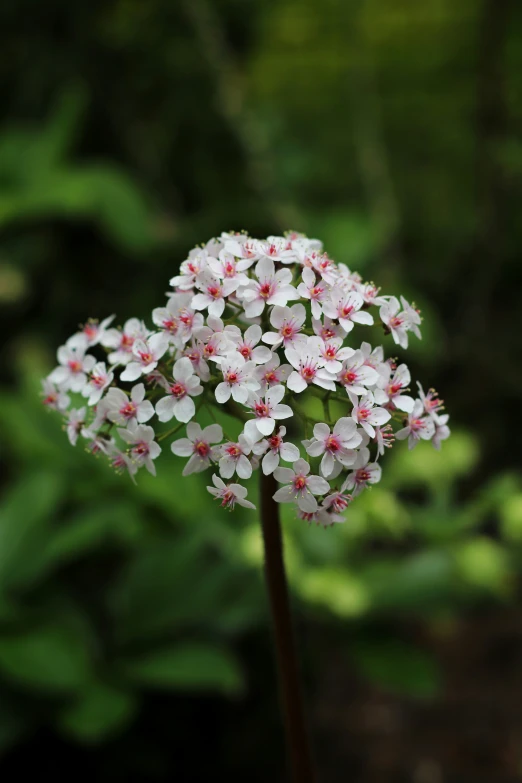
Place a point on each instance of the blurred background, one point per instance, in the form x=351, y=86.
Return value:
x=134, y=637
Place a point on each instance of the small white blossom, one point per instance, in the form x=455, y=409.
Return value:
x=275, y=449
x=229, y=494
x=356, y=376
x=234, y=459
x=396, y=322
x=288, y=321
x=213, y=293
x=266, y=412
x=122, y=409
x=179, y=402
x=418, y=427
x=53, y=397
x=122, y=340
x=146, y=356
x=272, y=373
x=99, y=380
x=71, y=375
x=364, y=473
x=270, y=288
x=336, y=446
x=316, y=292
x=198, y=445
x=392, y=395
x=238, y=381
x=143, y=447
x=75, y=423
x=250, y=350
x=308, y=367
x=300, y=486
x=366, y=414
x=346, y=308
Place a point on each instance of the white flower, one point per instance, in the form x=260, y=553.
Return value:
x=337, y=446
x=328, y=330
x=332, y=353
x=317, y=293
x=197, y=446
x=276, y=449
x=337, y=502
x=276, y=249
x=346, y=307
x=418, y=426
x=272, y=373
x=384, y=438
x=217, y=338
x=391, y=393
x=99, y=380
x=213, y=293
x=396, y=322
x=191, y=269
x=75, y=423
x=54, y=398
x=431, y=401
x=71, y=375
x=308, y=364
x=366, y=415
x=250, y=350
x=363, y=473
x=270, y=288
x=412, y=317
x=301, y=487
x=356, y=376
x=288, y=321
x=179, y=402
x=93, y=332
x=143, y=447
x=235, y=460
x=121, y=409
x=225, y=266
x=242, y=247
x=177, y=319
x=122, y=340
x=121, y=462
x=370, y=294
x=442, y=431
x=266, y=412
x=146, y=356
x=195, y=354
x=229, y=494
x=238, y=381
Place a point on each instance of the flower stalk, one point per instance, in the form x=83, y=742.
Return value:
x=297, y=738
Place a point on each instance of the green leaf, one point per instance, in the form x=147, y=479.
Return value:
x=101, y=712
x=397, y=666
x=24, y=526
x=51, y=659
x=186, y=667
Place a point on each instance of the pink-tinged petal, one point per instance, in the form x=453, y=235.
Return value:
x=165, y=408
x=302, y=467
x=307, y=503
x=404, y=403
x=145, y=411
x=265, y=425
x=347, y=457
x=368, y=428
x=289, y=452
x=318, y=485
x=184, y=409
x=131, y=372
x=379, y=416
x=252, y=434
x=194, y=431
x=272, y=338
x=321, y=431
x=282, y=412
x=138, y=393
x=284, y=475
x=323, y=383
x=213, y=433
x=243, y=468
x=255, y=308
x=284, y=494
x=292, y=356
x=270, y=462
x=327, y=464
x=59, y=375
x=265, y=269
x=296, y=383
x=216, y=307
x=183, y=369
x=261, y=355
x=195, y=465
x=223, y=391
x=362, y=317
x=239, y=394
x=279, y=315
x=182, y=447
x=315, y=448
x=227, y=467
x=275, y=394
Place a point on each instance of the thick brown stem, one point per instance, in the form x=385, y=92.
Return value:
x=298, y=746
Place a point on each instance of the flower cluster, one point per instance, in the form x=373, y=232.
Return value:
x=250, y=326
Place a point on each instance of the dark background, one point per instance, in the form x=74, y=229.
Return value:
x=134, y=639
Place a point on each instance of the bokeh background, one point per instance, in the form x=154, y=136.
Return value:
x=134, y=637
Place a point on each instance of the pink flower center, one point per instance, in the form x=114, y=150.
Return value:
x=308, y=372
x=51, y=399
x=178, y=390
x=98, y=380
x=245, y=350
x=349, y=377
x=330, y=352
x=316, y=292
x=288, y=330
x=362, y=475
x=346, y=310
x=272, y=250
x=231, y=377
x=214, y=291
x=394, y=388
x=327, y=333
x=417, y=424
x=75, y=365
x=170, y=325
x=128, y=410
x=396, y=322
x=228, y=498
x=261, y=410
x=332, y=444
x=126, y=342
x=202, y=448
x=186, y=318
x=209, y=349
x=266, y=290
x=299, y=483
x=141, y=449
x=229, y=269
x=233, y=450
x=271, y=377
x=275, y=442
x=340, y=502
x=363, y=413
x=146, y=358
x=90, y=331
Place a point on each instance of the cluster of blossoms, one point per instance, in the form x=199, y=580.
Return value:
x=249, y=324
